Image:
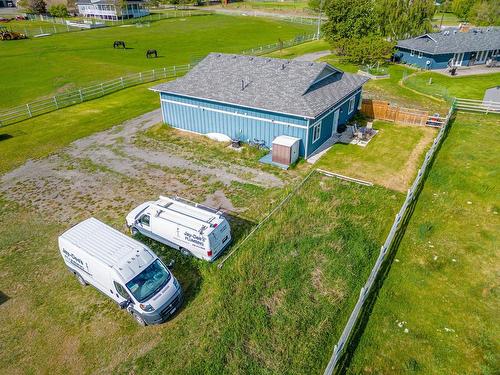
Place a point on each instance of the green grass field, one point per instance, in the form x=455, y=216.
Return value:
x=441, y=86
x=443, y=283
x=277, y=306
x=391, y=159
x=40, y=67
x=43, y=135
x=445, y=19
x=271, y=5
x=301, y=49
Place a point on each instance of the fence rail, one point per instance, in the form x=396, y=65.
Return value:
x=472, y=105
x=69, y=98
x=299, y=39
x=339, y=348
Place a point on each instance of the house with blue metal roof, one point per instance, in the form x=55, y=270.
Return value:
x=451, y=47
x=259, y=98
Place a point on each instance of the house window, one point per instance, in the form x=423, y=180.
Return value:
x=412, y=53
x=420, y=54
x=316, y=131
x=352, y=101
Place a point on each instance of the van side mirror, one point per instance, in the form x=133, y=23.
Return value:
x=171, y=264
x=125, y=304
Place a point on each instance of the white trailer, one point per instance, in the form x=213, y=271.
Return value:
x=122, y=268
x=192, y=228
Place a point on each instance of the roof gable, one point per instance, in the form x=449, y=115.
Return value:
x=285, y=86
x=454, y=41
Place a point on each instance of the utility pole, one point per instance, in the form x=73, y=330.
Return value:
x=318, y=32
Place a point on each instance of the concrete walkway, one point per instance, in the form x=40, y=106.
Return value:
x=313, y=56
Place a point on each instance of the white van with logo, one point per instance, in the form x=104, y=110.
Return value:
x=192, y=228
x=122, y=268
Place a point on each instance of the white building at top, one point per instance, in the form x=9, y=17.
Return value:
x=110, y=10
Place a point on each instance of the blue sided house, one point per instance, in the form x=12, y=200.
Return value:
x=259, y=98
x=451, y=47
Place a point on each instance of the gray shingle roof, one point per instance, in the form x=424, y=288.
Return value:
x=454, y=41
x=277, y=85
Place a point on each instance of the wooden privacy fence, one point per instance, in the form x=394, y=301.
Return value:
x=66, y=99
x=396, y=230
x=382, y=110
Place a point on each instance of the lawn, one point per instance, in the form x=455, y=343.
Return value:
x=301, y=49
x=390, y=90
x=437, y=311
x=277, y=306
x=36, y=65
x=391, y=159
x=43, y=135
x=441, y=86
x=282, y=6
x=446, y=19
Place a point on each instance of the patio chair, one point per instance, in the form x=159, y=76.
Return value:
x=369, y=125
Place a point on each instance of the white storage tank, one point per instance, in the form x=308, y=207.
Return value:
x=285, y=149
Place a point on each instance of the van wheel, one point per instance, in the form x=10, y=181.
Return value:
x=185, y=252
x=133, y=231
x=139, y=320
x=80, y=279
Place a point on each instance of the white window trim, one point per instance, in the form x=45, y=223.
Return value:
x=412, y=52
x=420, y=54
x=316, y=126
x=352, y=102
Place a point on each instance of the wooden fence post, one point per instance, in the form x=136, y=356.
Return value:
x=102, y=89
x=121, y=80
x=29, y=110
x=81, y=95
x=55, y=102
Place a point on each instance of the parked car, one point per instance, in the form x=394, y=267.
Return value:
x=122, y=268
x=194, y=229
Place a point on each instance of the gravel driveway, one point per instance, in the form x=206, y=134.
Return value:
x=107, y=171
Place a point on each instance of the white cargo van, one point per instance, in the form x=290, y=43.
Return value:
x=192, y=228
x=123, y=269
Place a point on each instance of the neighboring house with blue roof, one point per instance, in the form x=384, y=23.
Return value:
x=450, y=47
x=248, y=97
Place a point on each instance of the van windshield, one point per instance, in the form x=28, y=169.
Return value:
x=149, y=282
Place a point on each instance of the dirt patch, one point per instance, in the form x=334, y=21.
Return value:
x=402, y=180
x=273, y=303
x=108, y=172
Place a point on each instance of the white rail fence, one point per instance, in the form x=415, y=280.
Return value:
x=66, y=99
x=299, y=39
x=471, y=105
x=339, y=348
x=69, y=98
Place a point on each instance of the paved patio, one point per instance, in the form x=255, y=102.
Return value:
x=469, y=70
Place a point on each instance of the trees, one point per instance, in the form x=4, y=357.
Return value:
x=59, y=10
x=368, y=50
x=484, y=13
x=462, y=8
x=37, y=6
x=399, y=19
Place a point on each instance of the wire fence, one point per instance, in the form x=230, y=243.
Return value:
x=299, y=39
x=396, y=230
x=72, y=97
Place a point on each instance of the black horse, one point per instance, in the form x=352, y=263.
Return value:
x=119, y=43
x=151, y=52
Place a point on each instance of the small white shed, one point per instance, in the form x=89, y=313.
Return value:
x=285, y=149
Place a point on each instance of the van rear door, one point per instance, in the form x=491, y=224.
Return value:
x=219, y=237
